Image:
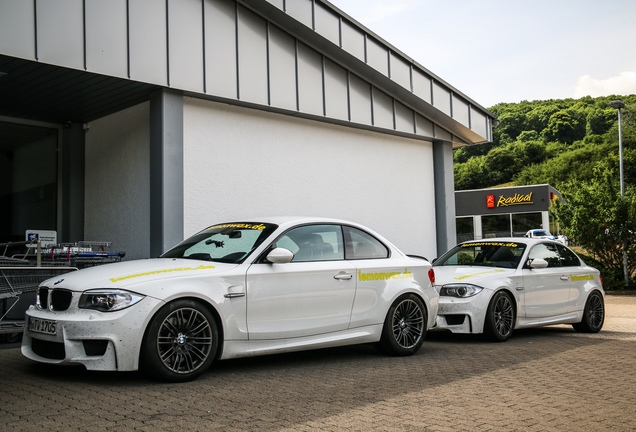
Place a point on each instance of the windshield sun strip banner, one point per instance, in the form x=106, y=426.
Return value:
x=258, y=226
x=489, y=244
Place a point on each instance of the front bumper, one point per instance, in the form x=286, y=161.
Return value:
x=105, y=341
x=463, y=315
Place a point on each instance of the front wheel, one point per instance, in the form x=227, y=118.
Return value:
x=404, y=327
x=500, y=318
x=593, y=314
x=181, y=342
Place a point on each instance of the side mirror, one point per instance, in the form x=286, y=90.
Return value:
x=280, y=256
x=538, y=263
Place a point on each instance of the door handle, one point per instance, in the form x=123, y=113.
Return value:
x=564, y=278
x=343, y=276
x=233, y=295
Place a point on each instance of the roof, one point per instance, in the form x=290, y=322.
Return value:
x=73, y=63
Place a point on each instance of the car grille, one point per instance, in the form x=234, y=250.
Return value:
x=54, y=299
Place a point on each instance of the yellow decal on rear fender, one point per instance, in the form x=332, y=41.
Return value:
x=384, y=276
x=480, y=273
x=582, y=277
x=201, y=267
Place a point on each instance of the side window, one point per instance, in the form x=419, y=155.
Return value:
x=313, y=243
x=547, y=252
x=361, y=245
x=568, y=258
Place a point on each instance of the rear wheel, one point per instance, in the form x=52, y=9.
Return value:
x=404, y=327
x=500, y=318
x=593, y=314
x=181, y=342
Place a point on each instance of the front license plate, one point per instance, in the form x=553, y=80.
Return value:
x=42, y=326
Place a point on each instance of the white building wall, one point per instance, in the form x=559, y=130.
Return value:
x=117, y=189
x=243, y=163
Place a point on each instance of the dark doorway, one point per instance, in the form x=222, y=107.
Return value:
x=28, y=179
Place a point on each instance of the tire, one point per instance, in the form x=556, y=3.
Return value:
x=14, y=337
x=404, y=327
x=500, y=318
x=180, y=343
x=593, y=314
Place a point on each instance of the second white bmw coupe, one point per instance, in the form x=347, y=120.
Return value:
x=495, y=286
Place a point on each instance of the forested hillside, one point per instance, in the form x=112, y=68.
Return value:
x=573, y=146
x=551, y=141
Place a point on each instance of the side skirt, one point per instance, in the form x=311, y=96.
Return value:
x=569, y=318
x=249, y=348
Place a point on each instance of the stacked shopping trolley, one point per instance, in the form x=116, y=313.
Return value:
x=24, y=265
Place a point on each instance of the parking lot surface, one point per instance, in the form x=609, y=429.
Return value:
x=549, y=379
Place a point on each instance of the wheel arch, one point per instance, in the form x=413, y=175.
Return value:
x=420, y=296
x=515, y=305
x=209, y=306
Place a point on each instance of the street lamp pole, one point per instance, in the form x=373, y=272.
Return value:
x=619, y=104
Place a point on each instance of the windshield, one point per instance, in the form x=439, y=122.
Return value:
x=487, y=254
x=229, y=243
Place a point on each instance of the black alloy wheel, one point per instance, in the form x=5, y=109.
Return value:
x=593, y=314
x=181, y=342
x=500, y=318
x=404, y=327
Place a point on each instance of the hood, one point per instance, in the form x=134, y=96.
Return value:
x=129, y=273
x=469, y=274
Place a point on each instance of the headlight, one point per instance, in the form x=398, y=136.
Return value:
x=108, y=300
x=460, y=290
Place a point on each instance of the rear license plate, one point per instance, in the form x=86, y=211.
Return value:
x=42, y=326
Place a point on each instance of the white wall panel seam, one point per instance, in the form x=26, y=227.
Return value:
x=236, y=43
x=35, y=28
x=84, y=32
x=168, y=42
x=324, y=85
x=297, y=74
x=128, y=39
x=203, y=51
x=268, y=62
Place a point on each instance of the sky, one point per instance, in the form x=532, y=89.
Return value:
x=512, y=50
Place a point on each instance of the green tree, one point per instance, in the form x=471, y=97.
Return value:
x=470, y=175
x=599, y=121
x=599, y=220
x=565, y=126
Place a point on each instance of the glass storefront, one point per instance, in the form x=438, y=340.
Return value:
x=522, y=222
x=465, y=229
x=500, y=225
x=28, y=179
x=495, y=225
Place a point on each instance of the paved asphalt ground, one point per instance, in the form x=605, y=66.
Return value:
x=549, y=379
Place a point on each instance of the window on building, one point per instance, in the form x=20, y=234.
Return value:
x=464, y=229
x=496, y=226
x=523, y=222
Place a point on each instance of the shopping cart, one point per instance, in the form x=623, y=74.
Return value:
x=82, y=254
x=20, y=276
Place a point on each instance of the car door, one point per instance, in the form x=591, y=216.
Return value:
x=311, y=295
x=578, y=275
x=546, y=291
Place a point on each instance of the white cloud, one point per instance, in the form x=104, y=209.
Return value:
x=623, y=84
